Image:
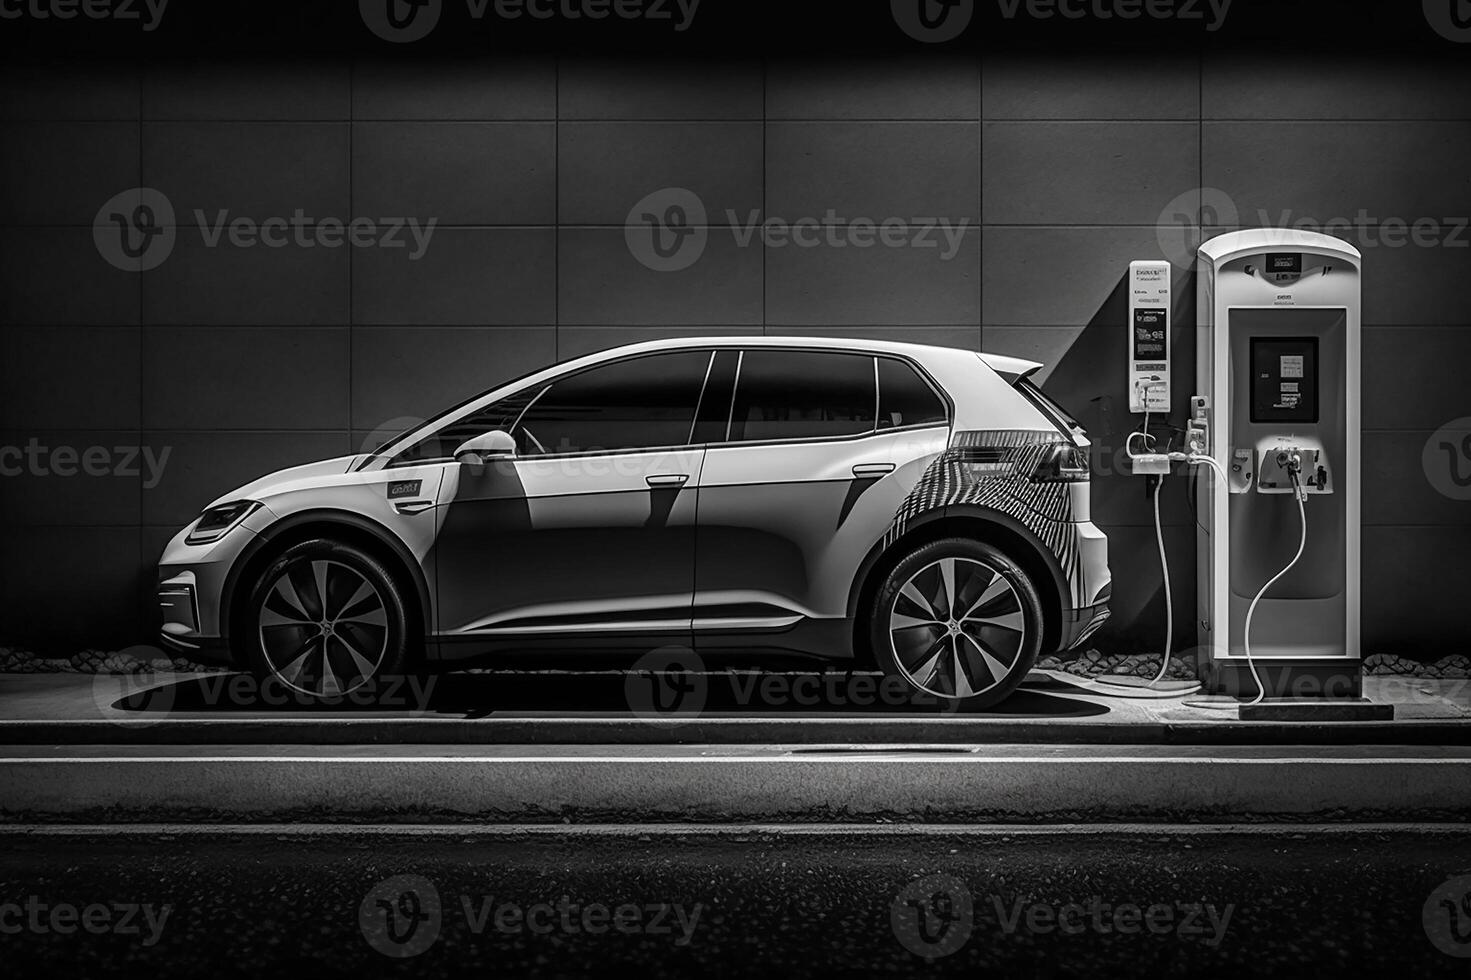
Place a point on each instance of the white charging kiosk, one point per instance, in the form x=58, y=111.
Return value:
x=1277, y=359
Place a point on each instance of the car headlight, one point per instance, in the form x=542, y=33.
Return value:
x=217, y=522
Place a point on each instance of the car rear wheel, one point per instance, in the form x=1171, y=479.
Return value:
x=325, y=620
x=958, y=620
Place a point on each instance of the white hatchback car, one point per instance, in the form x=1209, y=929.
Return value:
x=925, y=507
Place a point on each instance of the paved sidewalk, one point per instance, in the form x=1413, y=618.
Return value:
x=631, y=784
x=602, y=708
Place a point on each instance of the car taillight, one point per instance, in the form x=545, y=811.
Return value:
x=1063, y=463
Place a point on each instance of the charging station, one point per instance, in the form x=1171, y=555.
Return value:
x=1149, y=337
x=1277, y=407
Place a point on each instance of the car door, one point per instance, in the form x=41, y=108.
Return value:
x=804, y=482
x=589, y=530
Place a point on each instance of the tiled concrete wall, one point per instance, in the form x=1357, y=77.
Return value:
x=237, y=361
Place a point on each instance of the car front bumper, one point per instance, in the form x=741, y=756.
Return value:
x=191, y=589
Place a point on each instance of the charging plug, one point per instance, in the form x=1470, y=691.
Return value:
x=1151, y=464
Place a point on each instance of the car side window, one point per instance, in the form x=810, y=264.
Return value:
x=797, y=394
x=641, y=403
x=442, y=444
x=905, y=398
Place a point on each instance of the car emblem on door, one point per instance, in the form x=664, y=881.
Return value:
x=404, y=488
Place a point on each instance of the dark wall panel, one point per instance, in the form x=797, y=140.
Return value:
x=1054, y=169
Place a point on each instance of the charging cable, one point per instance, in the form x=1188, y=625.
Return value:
x=1164, y=571
x=1301, y=495
x=1193, y=459
x=1162, y=461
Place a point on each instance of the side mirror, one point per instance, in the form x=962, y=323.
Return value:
x=495, y=444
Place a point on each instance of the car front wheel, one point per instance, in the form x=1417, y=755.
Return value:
x=958, y=620
x=326, y=620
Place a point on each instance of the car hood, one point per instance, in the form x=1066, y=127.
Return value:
x=323, y=473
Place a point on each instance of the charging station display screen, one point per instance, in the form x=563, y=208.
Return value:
x=1149, y=335
x=1284, y=379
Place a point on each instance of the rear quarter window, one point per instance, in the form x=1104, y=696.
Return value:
x=905, y=398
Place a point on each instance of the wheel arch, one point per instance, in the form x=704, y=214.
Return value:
x=344, y=526
x=1000, y=530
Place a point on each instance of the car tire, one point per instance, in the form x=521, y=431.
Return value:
x=350, y=647
x=957, y=620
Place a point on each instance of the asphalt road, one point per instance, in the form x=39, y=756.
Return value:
x=1294, y=902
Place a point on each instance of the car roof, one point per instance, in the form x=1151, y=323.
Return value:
x=944, y=360
x=1015, y=367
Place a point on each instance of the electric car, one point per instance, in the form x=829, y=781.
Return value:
x=924, y=509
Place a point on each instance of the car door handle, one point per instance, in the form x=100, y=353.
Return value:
x=871, y=471
x=667, y=480
x=413, y=506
